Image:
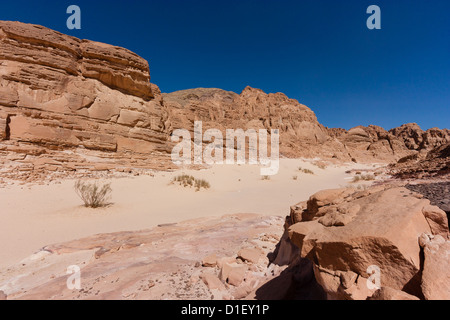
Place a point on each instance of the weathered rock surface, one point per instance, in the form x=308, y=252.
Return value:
x=252, y=109
x=437, y=193
x=61, y=93
x=160, y=263
x=344, y=232
x=436, y=271
x=417, y=139
x=70, y=105
x=431, y=164
x=387, y=293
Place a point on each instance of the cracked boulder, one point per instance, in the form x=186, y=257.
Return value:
x=348, y=234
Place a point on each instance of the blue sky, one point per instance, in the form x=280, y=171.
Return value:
x=316, y=51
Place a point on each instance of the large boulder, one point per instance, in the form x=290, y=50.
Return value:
x=436, y=271
x=348, y=234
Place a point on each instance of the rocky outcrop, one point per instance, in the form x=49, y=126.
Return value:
x=252, y=109
x=417, y=139
x=346, y=232
x=431, y=164
x=62, y=93
x=70, y=105
x=156, y=264
x=436, y=272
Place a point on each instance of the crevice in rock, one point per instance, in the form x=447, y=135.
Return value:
x=8, y=129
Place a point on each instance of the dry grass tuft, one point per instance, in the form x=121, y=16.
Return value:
x=92, y=194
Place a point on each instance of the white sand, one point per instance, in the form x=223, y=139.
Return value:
x=32, y=217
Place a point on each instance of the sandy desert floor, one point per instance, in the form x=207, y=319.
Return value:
x=35, y=216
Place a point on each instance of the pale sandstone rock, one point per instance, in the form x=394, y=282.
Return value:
x=224, y=260
x=436, y=271
x=145, y=265
x=62, y=93
x=233, y=274
x=383, y=232
x=437, y=220
x=212, y=282
x=252, y=255
x=3, y=296
x=387, y=293
x=210, y=261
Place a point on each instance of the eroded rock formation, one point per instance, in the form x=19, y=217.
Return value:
x=345, y=232
x=61, y=93
x=160, y=263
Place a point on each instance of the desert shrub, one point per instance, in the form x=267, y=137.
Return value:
x=199, y=184
x=320, y=164
x=184, y=180
x=367, y=177
x=307, y=171
x=187, y=181
x=266, y=178
x=93, y=194
x=295, y=178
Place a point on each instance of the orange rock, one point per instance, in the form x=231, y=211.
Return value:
x=387, y=225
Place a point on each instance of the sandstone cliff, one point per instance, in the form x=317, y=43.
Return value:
x=61, y=93
x=71, y=105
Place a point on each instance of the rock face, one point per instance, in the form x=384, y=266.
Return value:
x=300, y=132
x=155, y=264
x=346, y=232
x=60, y=92
x=431, y=164
x=417, y=139
x=436, y=271
x=70, y=105
x=252, y=109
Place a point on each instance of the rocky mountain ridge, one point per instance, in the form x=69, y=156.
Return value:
x=64, y=101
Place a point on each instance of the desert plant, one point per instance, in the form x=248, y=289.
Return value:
x=307, y=171
x=93, y=194
x=320, y=164
x=186, y=181
x=367, y=177
x=266, y=178
x=295, y=178
x=199, y=184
